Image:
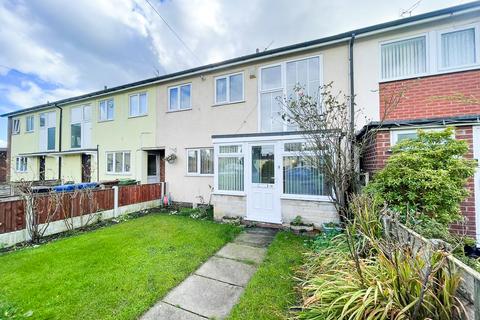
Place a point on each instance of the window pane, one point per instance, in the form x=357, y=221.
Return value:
x=102, y=110
x=76, y=132
x=236, y=87
x=110, y=109
x=405, y=136
x=458, y=48
x=206, y=161
x=127, y=161
x=134, y=106
x=30, y=122
x=51, y=138
x=109, y=162
x=118, y=162
x=221, y=87
x=263, y=167
x=230, y=173
x=51, y=119
x=42, y=120
x=77, y=115
x=143, y=103
x=87, y=113
x=302, y=176
x=185, y=97
x=271, y=111
x=271, y=78
x=173, y=99
x=403, y=58
x=230, y=149
x=192, y=161
x=151, y=165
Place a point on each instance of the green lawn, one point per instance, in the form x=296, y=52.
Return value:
x=271, y=293
x=116, y=272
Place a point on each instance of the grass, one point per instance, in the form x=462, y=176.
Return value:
x=116, y=272
x=271, y=293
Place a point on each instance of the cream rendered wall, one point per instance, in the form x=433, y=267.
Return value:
x=194, y=128
x=367, y=62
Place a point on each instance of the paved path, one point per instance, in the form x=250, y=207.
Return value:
x=213, y=290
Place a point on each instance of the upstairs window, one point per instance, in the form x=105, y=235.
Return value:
x=457, y=48
x=29, y=123
x=105, y=110
x=138, y=105
x=47, y=129
x=404, y=58
x=229, y=89
x=179, y=97
x=200, y=161
x=16, y=126
x=80, y=127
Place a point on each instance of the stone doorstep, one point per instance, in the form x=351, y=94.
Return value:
x=205, y=297
x=242, y=252
x=227, y=270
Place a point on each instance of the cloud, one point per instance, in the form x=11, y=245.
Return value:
x=3, y=143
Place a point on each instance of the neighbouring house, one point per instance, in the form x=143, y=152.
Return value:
x=218, y=127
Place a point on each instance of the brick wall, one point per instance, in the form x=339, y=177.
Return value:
x=453, y=94
x=377, y=152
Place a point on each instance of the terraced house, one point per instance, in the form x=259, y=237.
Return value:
x=217, y=131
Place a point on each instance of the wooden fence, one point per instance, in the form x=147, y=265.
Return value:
x=61, y=206
x=12, y=216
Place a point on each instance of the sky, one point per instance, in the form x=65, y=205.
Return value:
x=54, y=49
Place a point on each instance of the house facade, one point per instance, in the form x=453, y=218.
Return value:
x=215, y=133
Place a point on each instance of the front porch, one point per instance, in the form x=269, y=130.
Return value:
x=270, y=178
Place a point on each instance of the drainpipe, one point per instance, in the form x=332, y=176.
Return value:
x=352, y=106
x=60, y=143
x=98, y=164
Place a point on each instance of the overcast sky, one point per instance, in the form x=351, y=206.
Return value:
x=52, y=49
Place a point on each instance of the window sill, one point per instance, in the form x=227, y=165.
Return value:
x=119, y=173
x=180, y=110
x=198, y=175
x=139, y=116
x=29, y=131
x=227, y=103
x=110, y=120
x=430, y=74
x=306, y=198
x=230, y=193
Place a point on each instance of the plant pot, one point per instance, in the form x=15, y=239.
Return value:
x=302, y=228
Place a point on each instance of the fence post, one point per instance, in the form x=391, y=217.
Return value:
x=115, y=200
x=29, y=218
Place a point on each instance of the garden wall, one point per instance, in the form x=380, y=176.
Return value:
x=469, y=288
x=70, y=210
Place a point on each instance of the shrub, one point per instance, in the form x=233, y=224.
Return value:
x=424, y=179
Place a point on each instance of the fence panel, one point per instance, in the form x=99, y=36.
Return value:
x=12, y=216
x=139, y=193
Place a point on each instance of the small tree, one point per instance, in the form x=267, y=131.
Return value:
x=425, y=179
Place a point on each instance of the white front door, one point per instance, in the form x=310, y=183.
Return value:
x=263, y=198
x=476, y=155
x=153, y=168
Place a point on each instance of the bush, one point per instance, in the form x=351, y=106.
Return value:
x=424, y=179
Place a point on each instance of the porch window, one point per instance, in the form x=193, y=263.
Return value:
x=118, y=162
x=200, y=161
x=21, y=164
x=230, y=168
x=302, y=173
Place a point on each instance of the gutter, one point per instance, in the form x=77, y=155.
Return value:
x=309, y=45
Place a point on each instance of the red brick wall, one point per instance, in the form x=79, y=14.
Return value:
x=377, y=152
x=453, y=94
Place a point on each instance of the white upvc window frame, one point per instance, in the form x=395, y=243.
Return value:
x=178, y=87
x=394, y=133
x=83, y=138
x=428, y=55
x=137, y=95
x=476, y=28
x=105, y=101
x=21, y=164
x=283, y=154
x=283, y=65
x=113, y=153
x=16, y=126
x=30, y=119
x=240, y=154
x=227, y=78
x=198, y=172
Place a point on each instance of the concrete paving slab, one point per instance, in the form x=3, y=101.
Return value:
x=255, y=239
x=206, y=297
x=227, y=270
x=164, y=311
x=265, y=231
x=242, y=252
